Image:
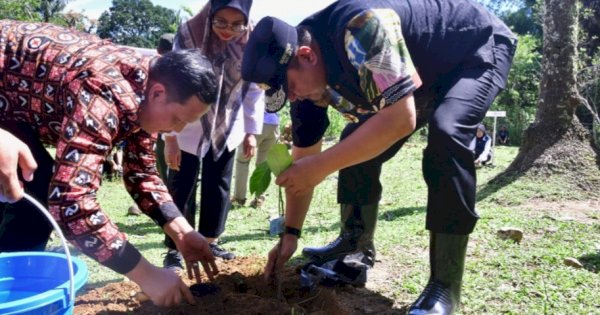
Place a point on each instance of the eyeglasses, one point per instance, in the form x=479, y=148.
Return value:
x=222, y=24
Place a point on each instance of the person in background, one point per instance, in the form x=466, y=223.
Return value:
x=389, y=67
x=481, y=147
x=113, y=166
x=264, y=141
x=503, y=137
x=220, y=30
x=84, y=95
x=164, y=45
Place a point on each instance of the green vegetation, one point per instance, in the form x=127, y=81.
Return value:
x=501, y=276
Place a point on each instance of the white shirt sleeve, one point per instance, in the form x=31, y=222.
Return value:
x=253, y=106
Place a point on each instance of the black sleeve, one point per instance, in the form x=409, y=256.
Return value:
x=309, y=123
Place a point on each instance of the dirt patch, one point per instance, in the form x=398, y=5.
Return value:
x=582, y=211
x=253, y=297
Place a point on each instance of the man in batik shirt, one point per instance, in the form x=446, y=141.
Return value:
x=389, y=67
x=84, y=95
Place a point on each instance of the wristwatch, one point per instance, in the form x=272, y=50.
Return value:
x=291, y=230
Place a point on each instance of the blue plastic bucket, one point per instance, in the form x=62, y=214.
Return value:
x=40, y=282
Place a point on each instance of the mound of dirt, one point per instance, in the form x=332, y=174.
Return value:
x=242, y=290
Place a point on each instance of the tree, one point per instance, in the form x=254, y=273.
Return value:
x=589, y=73
x=556, y=142
x=22, y=10
x=79, y=21
x=519, y=99
x=51, y=9
x=136, y=23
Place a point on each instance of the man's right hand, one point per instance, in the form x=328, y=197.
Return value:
x=13, y=154
x=193, y=246
x=280, y=254
x=164, y=287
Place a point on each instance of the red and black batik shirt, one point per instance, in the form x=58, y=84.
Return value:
x=82, y=94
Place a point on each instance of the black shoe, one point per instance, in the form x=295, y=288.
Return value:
x=173, y=260
x=447, y=261
x=435, y=299
x=341, y=246
x=219, y=251
x=356, y=235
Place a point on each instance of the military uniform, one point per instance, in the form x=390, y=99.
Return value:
x=453, y=56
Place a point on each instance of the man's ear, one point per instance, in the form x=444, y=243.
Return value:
x=307, y=55
x=158, y=92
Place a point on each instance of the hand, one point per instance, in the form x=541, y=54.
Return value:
x=194, y=248
x=300, y=178
x=19, y=155
x=162, y=286
x=249, y=145
x=280, y=254
x=172, y=152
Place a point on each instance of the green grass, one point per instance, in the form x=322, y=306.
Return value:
x=501, y=277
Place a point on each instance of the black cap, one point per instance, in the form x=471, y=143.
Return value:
x=165, y=43
x=271, y=46
x=240, y=5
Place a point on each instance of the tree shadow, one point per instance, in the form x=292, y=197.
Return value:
x=524, y=162
x=260, y=234
x=500, y=181
x=591, y=262
x=517, y=168
x=392, y=215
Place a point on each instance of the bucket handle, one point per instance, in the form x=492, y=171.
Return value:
x=63, y=241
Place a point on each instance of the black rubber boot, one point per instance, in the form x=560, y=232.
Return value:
x=355, y=239
x=442, y=293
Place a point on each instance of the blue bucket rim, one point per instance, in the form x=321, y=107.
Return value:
x=59, y=293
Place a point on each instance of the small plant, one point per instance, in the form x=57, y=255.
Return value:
x=278, y=160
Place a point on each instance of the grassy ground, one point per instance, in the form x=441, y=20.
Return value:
x=501, y=277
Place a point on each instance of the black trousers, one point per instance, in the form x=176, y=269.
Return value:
x=461, y=102
x=23, y=226
x=214, y=191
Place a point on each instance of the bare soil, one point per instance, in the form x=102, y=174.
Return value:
x=255, y=296
x=582, y=211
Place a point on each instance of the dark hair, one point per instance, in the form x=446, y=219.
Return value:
x=185, y=73
x=165, y=43
x=305, y=38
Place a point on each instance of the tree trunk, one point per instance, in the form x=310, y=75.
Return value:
x=556, y=142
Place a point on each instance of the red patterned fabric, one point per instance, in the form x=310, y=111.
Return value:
x=82, y=94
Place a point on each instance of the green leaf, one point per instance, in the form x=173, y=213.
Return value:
x=260, y=179
x=278, y=158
